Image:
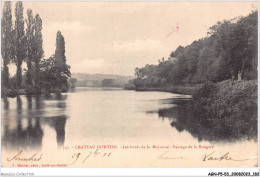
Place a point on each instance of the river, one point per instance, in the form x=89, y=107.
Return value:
x=116, y=117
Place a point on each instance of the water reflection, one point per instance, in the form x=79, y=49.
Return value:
x=55, y=97
x=58, y=124
x=72, y=90
x=19, y=104
x=6, y=104
x=24, y=128
x=32, y=122
x=184, y=115
x=31, y=136
x=29, y=102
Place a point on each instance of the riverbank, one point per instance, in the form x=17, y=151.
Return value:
x=180, y=89
x=229, y=107
x=16, y=92
x=227, y=92
x=12, y=92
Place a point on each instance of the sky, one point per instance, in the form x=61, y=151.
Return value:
x=117, y=37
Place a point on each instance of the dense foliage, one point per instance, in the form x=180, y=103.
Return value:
x=54, y=72
x=231, y=46
x=229, y=106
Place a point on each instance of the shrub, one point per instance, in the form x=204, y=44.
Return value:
x=230, y=106
x=206, y=91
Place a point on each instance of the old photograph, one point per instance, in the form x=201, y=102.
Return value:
x=129, y=84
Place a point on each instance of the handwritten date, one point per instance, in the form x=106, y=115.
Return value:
x=91, y=154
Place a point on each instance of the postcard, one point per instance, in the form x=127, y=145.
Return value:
x=129, y=84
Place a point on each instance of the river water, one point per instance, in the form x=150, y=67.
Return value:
x=105, y=116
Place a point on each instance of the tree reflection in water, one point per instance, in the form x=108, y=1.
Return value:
x=186, y=115
x=25, y=130
x=58, y=124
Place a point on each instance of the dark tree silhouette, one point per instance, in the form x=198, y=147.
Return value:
x=6, y=41
x=20, y=42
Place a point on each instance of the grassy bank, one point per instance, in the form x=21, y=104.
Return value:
x=12, y=92
x=180, y=89
x=230, y=107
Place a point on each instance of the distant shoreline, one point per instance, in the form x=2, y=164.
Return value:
x=179, y=89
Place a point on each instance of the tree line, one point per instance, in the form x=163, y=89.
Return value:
x=20, y=44
x=230, y=48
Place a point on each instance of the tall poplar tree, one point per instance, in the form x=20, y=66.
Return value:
x=38, y=50
x=60, y=61
x=60, y=58
x=6, y=41
x=30, y=47
x=20, y=42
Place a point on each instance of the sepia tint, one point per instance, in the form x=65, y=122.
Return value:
x=129, y=84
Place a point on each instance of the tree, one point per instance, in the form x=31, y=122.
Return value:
x=6, y=41
x=60, y=57
x=108, y=82
x=72, y=82
x=30, y=34
x=38, y=51
x=54, y=72
x=51, y=79
x=48, y=75
x=20, y=42
x=244, y=46
x=60, y=61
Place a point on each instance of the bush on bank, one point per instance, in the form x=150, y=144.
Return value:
x=229, y=105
